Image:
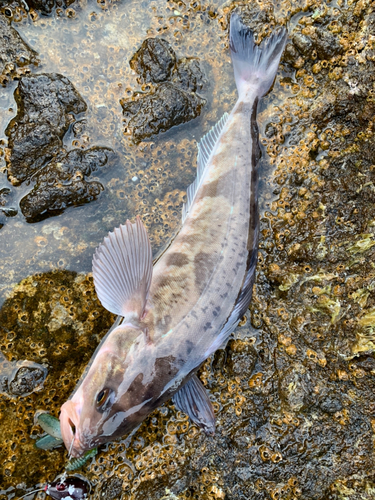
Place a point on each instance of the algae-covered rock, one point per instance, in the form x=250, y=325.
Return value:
x=45, y=105
x=159, y=111
x=173, y=101
x=63, y=183
x=15, y=55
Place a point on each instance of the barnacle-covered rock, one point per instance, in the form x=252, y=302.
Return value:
x=45, y=106
x=15, y=55
x=327, y=45
x=159, y=111
x=303, y=43
x=63, y=183
x=20, y=378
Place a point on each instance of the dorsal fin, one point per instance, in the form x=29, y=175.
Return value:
x=122, y=269
x=205, y=148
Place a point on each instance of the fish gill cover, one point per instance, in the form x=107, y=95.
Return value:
x=293, y=390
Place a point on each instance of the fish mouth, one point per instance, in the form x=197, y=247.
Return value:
x=69, y=418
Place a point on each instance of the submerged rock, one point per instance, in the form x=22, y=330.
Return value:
x=45, y=105
x=173, y=101
x=63, y=183
x=188, y=74
x=154, y=61
x=15, y=54
x=159, y=111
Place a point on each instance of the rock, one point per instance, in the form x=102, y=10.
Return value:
x=14, y=52
x=62, y=183
x=242, y=357
x=112, y=488
x=20, y=378
x=295, y=387
x=35, y=135
x=326, y=44
x=154, y=61
x=157, y=112
x=188, y=74
x=173, y=101
x=46, y=6
x=303, y=43
x=4, y=196
x=291, y=54
x=28, y=377
x=330, y=404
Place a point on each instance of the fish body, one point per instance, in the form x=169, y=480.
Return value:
x=178, y=313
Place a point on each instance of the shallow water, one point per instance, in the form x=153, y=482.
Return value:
x=92, y=50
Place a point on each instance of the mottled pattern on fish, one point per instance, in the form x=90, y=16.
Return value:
x=196, y=283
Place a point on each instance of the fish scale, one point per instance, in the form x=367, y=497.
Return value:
x=218, y=226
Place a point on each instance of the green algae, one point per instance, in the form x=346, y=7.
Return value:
x=362, y=245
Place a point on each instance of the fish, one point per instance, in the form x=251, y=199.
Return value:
x=175, y=314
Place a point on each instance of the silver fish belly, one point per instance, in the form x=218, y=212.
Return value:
x=179, y=312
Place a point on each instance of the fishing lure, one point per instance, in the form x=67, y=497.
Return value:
x=51, y=425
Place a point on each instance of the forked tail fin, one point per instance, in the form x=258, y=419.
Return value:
x=255, y=66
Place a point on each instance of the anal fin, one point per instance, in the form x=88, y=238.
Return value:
x=193, y=400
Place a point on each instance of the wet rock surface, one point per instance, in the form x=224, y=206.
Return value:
x=167, y=107
x=15, y=55
x=168, y=104
x=45, y=105
x=20, y=378
x=154, y=61
x=63, y=183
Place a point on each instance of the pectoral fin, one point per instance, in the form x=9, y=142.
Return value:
x=193, y=400
x=122, y=269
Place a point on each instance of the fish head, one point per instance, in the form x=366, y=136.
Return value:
x=102, y=408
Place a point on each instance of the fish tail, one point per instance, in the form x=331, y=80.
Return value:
x=255, y=66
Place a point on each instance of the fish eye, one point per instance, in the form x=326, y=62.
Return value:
x=103, y=397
